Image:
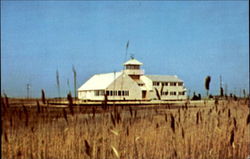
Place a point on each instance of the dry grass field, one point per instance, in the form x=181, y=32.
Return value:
x=215, y=130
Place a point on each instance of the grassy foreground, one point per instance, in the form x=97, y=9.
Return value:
x=216, y=130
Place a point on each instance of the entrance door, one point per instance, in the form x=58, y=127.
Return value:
x=144, y=94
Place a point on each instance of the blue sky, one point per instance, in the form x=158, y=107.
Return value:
x=188, y=39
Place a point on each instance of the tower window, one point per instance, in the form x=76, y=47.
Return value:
x=132, y=67
x=180, y=83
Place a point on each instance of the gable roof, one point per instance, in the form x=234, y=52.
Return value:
x=166, y=78
x=100, y=81
x=133, y=62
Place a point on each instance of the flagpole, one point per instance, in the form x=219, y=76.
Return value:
x=125, y=58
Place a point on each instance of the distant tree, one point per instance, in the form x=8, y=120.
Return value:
x=207, y=83
x=226, y=96
x=231, y=95
x=195, y=97
x=235, y=97
x=199, y=96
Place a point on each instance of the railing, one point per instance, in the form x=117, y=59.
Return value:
x=134, y=72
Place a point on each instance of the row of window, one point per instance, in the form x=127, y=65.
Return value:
x=117, y=93
x=133, y=67
x=173, y=93
x=168, y=83
x=111, y=93
x=99, y=93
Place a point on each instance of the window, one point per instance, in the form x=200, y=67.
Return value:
x=136, y=67
x=180, y=83
x=99, y=92
x=172, y=83
x=181, y=93
x=156, y=83
x=172, y=93
x=164, y=83
x=119, y=93
x=165, y=93
x=132, y=67
x=125, y=93
x=96, y=93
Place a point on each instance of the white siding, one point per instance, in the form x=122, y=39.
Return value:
x=148, y=84
x=89, y=95
x=152, y=92
x=124, y=82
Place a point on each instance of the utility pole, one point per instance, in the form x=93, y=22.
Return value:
x=58, y=83
x=225, y=89
x=68, y=86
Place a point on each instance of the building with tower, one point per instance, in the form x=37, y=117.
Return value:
x=132, y=84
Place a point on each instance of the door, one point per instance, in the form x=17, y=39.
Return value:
x=144, y=93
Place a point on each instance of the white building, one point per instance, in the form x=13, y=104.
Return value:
x=132, y=84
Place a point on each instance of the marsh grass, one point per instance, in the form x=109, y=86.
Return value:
x=215, y=131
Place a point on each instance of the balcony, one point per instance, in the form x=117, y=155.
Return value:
x=134, y=72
